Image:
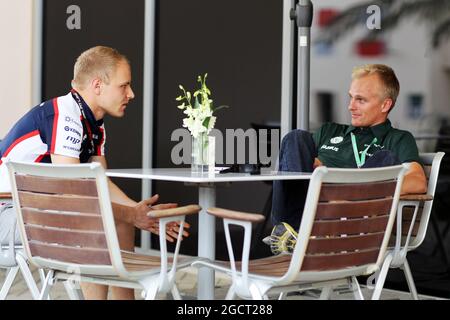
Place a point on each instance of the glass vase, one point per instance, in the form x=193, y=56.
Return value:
x=200, y=153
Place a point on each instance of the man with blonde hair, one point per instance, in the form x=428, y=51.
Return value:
x=70, y=130
x=369, y=141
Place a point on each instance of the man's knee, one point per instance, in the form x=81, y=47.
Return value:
x=296, y=136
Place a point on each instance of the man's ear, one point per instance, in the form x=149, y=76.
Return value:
x=387, y=105
x=96, y=85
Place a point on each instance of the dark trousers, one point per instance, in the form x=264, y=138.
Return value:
x=297, y=153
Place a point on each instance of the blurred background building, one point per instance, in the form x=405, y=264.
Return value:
x=423, y=70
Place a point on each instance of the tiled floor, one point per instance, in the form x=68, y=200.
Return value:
x=187, y=285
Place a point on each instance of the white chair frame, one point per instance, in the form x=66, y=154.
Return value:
x=153, y=280
x=396, y=256
x=255, y=286
x=13, y=259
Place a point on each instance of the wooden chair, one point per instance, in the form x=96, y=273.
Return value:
x=414, y=211
x=13, y=259
x=67, y=226
x=344, y=233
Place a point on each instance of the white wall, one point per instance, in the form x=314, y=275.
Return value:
x=15, y=61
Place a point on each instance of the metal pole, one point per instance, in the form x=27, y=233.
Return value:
x=303, y=15
x=147, y=125
x=206, y=242
x=36, y=85
x=287, y=70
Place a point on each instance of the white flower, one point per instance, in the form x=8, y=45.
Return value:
x=195, y=126
x=199, y=111
x=212, y=122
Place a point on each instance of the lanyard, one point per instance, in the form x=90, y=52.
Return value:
x=360, y=161
x=77, y=98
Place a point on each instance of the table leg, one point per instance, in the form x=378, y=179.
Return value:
x=206, y=242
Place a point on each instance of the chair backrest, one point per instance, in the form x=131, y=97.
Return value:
x=431, y=163
x=347, y=220
x=65, y=216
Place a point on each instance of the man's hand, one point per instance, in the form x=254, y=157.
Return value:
x=317, y=163
x=142, y=221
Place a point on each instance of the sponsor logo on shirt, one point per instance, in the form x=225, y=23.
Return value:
x=333, y=148
x=336, y=140
x=72, y=149
x=67, y=128
x=70, y=120
x=73, y=140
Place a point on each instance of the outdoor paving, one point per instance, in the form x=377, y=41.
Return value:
x=186, y=281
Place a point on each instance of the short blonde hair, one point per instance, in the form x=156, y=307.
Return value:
x=387, y=76
x=98, y=62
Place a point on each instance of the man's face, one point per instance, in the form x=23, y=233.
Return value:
x=367, y=105
x=115, y=96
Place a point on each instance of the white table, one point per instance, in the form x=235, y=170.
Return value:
x=206, y=184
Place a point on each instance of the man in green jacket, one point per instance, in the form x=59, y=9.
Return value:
x=369, y=141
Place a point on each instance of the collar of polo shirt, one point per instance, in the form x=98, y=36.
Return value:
x=379, y=131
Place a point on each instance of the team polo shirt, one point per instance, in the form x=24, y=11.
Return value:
x=335, y=149
x=57, y=127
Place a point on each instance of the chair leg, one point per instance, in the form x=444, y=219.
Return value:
x=254, y=291
x=73, y=290
x=282, y=296
x=10, y=276
x=372, y=280
x=356, y=288
x=382, y=277
x=27, y=275
x=231, y=294
x=47, y=286
x=41, y=275
x=175, y=293
x=151, y=291
x=410, y=280
x=326, y=293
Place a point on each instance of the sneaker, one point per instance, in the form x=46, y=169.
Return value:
x=282, y=239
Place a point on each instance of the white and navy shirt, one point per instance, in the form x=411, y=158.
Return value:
x=57, y=126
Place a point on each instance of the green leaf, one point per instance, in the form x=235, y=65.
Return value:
x=181, y=87
x=206, y=122
x=179, y=98
x=196, y=103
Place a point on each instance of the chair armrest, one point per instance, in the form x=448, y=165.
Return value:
x=236, y=215
x=416, y=197
x=5, y=195
x=173, y=212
